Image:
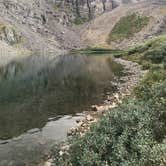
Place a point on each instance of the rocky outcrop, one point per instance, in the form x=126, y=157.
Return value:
x=69, y=11
x=45, y=23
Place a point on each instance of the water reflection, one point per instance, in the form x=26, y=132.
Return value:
x=37, y=88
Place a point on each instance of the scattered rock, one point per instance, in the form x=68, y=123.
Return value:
x=89, y=118
x=78, y=121
x=94, y=108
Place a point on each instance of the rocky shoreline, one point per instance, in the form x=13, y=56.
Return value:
x=124, y=88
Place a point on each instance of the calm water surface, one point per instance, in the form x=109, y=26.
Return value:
x=41, y=98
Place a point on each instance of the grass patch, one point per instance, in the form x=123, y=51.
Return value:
x=127, y=27
x=80, y=20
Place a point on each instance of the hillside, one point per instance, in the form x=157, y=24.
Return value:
x=35, y=24
x=97, y=31
x=57, y=26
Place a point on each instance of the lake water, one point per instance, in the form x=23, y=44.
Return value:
x=41, y=98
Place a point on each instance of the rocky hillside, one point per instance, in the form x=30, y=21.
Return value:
x=33, y=25
x=80, y=11
x=97, y=32
x=51, y=26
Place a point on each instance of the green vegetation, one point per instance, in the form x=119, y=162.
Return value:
x=96, y=50
x=134, y=133
x=150, y=54
x=80, y=20
x=127, y=27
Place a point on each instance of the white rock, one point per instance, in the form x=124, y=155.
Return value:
x=89, y=118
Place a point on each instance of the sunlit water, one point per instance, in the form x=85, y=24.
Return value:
x=41, y=98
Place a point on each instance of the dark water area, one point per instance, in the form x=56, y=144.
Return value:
x=41, y=98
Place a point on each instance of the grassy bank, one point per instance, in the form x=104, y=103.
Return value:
x=134, y=133
x=150, y=54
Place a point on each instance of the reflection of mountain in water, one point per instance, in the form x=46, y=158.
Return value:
x=35, y=89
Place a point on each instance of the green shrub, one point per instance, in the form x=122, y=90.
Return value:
x=156, y=56
x=80, y=20
x=149, y=53
x=154, y=76
x=125, y=136
x=146, y=65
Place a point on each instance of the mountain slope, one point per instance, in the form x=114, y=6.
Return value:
x=98, y=30
x=35, y=24
x=48, y=26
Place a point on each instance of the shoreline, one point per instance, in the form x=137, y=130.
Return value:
x=133, y=75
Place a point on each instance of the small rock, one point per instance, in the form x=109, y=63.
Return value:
x=78, y=121
x=94, y=108
x=89, y=118
x=49, y=162
x=65, y=148
x=61, y=153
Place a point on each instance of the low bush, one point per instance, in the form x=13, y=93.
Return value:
x=146, y=65
x=145, y=87
x=151, y=52
x=156, y=56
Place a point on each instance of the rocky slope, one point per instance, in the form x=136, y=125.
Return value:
x=48, y=26
x=79, y=11
x=97, y=31
x=32, y=25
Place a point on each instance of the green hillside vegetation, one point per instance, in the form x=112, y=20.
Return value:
x=134, y=133
x=149, y=54
x=95, y=50
x=127, y=27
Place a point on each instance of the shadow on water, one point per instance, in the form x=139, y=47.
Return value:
x=36, y=89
